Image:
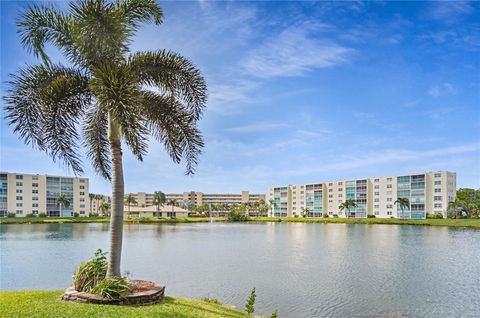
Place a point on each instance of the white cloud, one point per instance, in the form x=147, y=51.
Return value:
x=449, y=11
x=295, y=51
x=442, y=89
x=257, y=127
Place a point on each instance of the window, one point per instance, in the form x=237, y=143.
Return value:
x=438, y=205
x=340, y=183
x=340, y=195
x=19, y=184
x=330, y=195
x=82, y=205
x=377, y=213
x=438, y=175
x=19, y=191
x=377, y=200
x=389, y=179
x=389, y=206
x=340, y=201
x=376, y=206
x=19, y=212
x=82, y=180
x=35, y=185
x=294, y=208
x=294, y=198
x=389, y=192
x=438, y=182
x=330, y=201
x=438, y=190
x=437, y=198
x=34, y=177
x=301, y=187
x=302, y=192
x=35, y=191
x=34, y=205
x=293, y=202
x=376, y=180
x=19, y=177
x=83, y=200
x=35, y=211
x=389, y=199
x=82, y=187
x=19, y=205
x=377, y=193
x=377, y=187
x=19, y=197
x=82, y=211
x=330, y=184
x=82, y=193
x=340, y=189
x=34, y=198
x=389, y=186
x=330, y=190
x=389, y=212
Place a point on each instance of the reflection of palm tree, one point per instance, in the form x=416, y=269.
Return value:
x=118, y=99
x=347, y=205
x=402, y=203
x=62, y=201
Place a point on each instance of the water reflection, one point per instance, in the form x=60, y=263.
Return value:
x=303, y=270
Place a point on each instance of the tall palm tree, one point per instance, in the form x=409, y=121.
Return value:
x=402, y=203
x=159, y=199
x=173, y=203
x=105, y=207
x=98, y=198
x=347, y=205
x=62, y=202
x=272, y=205
x=116, y=97
x=129, y=200
x=91, y=196
x=305, y=212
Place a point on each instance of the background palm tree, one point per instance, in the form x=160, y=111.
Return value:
x=105, y=207
x=62, y=202
x=305, y=212
x=159, y=199
x=173, y=203
x=402, y=203
x=347, y=205
x=98, y=197
x=272, y=205
x=129, y=200
x=91, y=196
x=112, y=95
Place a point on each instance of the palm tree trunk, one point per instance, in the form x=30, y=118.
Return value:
x=116, y=219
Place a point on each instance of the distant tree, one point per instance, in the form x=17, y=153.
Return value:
x=159, y=199
x=173, y=203
x=91, y=196
x=347, y=205
x=105, y=208
x=129, y=200
x=305, y=212
x=62, y=202
x=402, y=203
x=272, y=206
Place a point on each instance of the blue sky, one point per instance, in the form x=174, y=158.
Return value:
x=303, y=92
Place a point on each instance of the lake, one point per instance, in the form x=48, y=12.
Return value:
x=302, y=270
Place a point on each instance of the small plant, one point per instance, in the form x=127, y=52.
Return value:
x=93, y=215
x=325, y=215
x=371, y=216
x=434, y=216
x=11, y=215
x=76, y=215
x=335, y=215
x=249, y=306
x=112, y=287
x=42, y=215
x=91, y=272
x=274, y=314
x=211, y=300
x=31, y=215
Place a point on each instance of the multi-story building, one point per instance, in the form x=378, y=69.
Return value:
x=199, y=198
x=97, y=202
x=25, y=194
x=428, y=192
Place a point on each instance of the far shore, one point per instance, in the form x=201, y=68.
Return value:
x=466, y=223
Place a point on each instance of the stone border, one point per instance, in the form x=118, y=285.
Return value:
x=149, y=297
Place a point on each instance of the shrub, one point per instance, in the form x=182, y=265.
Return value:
x=237, y=214
x=211, y=300
x=325, y=215
x=11, y=215
x=31, y=215
x=42, y=215
x=295, y=216
x=112, y=287
x=274, y=314
x=335, y=215
x=76, y=215
x=93, y=215
x=91, y=272
x=371, y=216
x=434, y=216
x=249, y=306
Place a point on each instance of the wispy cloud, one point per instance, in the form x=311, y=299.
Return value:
x=449, y=11
x=257, y=127
x=442, y=89
x=295, y=51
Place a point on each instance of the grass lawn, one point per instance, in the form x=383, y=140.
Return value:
x=21, y=220
x=48, y=304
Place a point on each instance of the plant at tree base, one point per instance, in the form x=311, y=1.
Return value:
x=91, y=272
x=114, y=97
x=249, y=306
x=112, y=287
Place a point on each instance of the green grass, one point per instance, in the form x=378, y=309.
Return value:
x=48, y=304
x=469, y=223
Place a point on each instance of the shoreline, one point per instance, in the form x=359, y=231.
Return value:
x=458, y=223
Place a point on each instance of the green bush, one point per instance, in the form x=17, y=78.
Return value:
x=434, y=216
x=93, y=215
x=11, y=215
x=211, y=300
x=112, y=287
x=31, y=215
x=249, y=306
x=274, y=314
x=42, y=215
x=237, y=215
x=371, y=216
x=335, y=215
x=325, y=215
x=76, y=215
x=295, y=216
x=91, y=272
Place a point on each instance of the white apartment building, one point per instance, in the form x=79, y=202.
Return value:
x=24, y=194
x=428, y=192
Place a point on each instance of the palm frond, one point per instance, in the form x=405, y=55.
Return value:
x=174, y=125
x=174, y=75
x=140, y=11
x=44, y=104
x=96, y=140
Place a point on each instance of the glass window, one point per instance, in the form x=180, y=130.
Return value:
x=377, y=187
x=389, y=199
x=437, y=198
x=438, y=182
x=19, y=197
x=19, y=184
x=19, y=177
x=438, y=175
x=19, y=191
x=438, y=190
x=389, y=186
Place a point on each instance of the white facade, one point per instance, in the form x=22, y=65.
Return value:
x=428, y=192
x=24, y=194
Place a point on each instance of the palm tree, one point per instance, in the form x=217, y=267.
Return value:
x=105, y=207
x=305, y=212
x=347, y=205
x=159, y=199
x=91, y=196
x=129, y=200
x=272, y=206
x=98, y=197
x=62, y=201
x=402, y=203
x=173, y=203
x=116, y=97
x=185, y=204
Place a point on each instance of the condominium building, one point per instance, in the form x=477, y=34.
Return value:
x=199, y=198
x=428, y=192
x=24, y=194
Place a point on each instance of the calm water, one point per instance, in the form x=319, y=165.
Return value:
x=302, y=270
